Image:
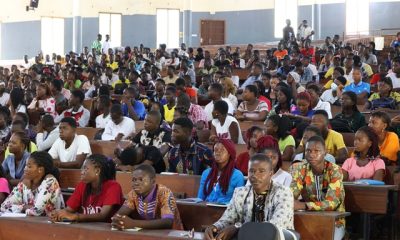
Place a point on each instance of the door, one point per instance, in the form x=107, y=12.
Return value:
x=212, y=32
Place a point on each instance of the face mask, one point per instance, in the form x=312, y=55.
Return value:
x=334, y=86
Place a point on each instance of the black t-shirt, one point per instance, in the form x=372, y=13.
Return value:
x=129, y=156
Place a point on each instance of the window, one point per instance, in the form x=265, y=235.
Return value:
x=168, y=27
x=52, y=35
x=110, y=23
x=357, y=17
x=285, y=9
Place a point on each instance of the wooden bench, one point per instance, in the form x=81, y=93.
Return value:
x=89, y=132
x=245, y=125
x=87, y=103
x=106, y=147
x=38, y=228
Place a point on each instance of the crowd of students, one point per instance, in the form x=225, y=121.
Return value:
x=198, y=94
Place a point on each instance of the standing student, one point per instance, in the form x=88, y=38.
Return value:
x=97, y=197
x=148, y=205
x=39, y=193
x=366, y=163
x=218, y=183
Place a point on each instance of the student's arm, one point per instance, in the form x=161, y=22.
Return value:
x=14, y=202
x=200, y=193
x=44, y=144
x=234, y=132
x=125, y=222
x=260, y=117
x=132, y=113
x=297, y=182
x=345, y=175
x=342, y=155
x=107, y=134
x=72, y=215
x=288, y=153
x=379, y=175
x=213, y=134
x=283, y=213
x=46, y=198
x=75, y=164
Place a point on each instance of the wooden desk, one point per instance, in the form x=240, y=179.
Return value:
x=37, y=228
x=89, y=132
x=310, y=225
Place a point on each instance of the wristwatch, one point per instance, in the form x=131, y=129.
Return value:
x=238, y=225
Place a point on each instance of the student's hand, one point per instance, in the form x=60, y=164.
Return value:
x=56, y=163
x=210, y=232
x=119, y=137
x=122, y=222
x=227, y=233
x=240, y=117
x=299, y=205
x=39, y=127
x=61, y=215
x=25, y=207
x=213, y=138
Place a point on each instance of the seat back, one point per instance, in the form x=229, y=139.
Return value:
x=258, y=231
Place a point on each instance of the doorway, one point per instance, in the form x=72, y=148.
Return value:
x=212, y=32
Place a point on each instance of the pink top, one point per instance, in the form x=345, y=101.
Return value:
x=4, y=186
x=366, y=172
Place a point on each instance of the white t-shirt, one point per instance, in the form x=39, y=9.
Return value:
x=79, y=146
x=104, y=79
x=102, y=121
x=235, y=80
x=282, y=177
x=106, y=45
x=45, y=140
x=4, y=99
x=324, y=106
x=210, y=107
x=223, y=131
x=395, y=80
x=126, y=127
x=327, y=96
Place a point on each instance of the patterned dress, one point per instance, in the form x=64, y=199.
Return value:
x=46, y=198
x=158, y=204
x=321, y=193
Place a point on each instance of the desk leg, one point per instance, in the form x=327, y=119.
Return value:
x=366, y=221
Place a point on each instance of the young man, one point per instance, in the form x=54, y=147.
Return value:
x=181, y=86
x=131, y=107
x=187, y=156
x=255, y=75
x=47, y=133
x=77, y=111
x=70, y=149
x=120, y=127
x=171, y=76
x=250, y=203
x=395, y=74
x=106, y=44
x=103, y=107
x=4, y=96
x=319, y=182
x=333, y=140
x=185, y=70
x=316, y=102
x=96, y=45
x=149, y=205
x=195, y=112
x=215, y=94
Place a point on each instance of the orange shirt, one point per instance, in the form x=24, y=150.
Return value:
x=191, y=92
x=280, y=54
x=390, y=146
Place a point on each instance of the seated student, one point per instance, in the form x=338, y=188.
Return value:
x=195, y=112
x=229, y=91
x=224, y=125
x=319, y=183
x=366, y=163
x=4, y=186
x=77, y=111
x=159, y=93
x=103, y=107
x=218, y=183
x=169, y=107
x=17, y=103
x=72, y=82
x=309, y=132
x=181, y=87
x=279, y=128
x=362, y=89
x=385, y=97
x=47, y=134
x=316, y=102
x=153, y=134
x=261, y=201
x=39, y=193
x=119, y=127
x=28, y=129
x=19, y=126
x=382, y=72
x=251, y=109
x=171, y=76
x=4, y=124
x=303, y=111
x=56, y=91
x=334, y=142
x=43, y=102
x=187, y=156
x=215, y=92
x=202, y=92
x=252, y=135
x=388, y=141
x=145, y=192
x=350, y=115
x=14, y=164
x=333, y=94
x=335, y=72
x=131, y=106
x=263, y=95
x=284, y=101
x=97, y=197
x=395, y=74
x=70, y=149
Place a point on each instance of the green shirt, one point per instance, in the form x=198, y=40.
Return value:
x=97, y=45
x=77, y=84
x=288, y=141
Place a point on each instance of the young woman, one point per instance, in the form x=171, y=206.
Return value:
x=350, y=112
x=39, y=193
x=17, y=103
x=385, y=94
x=388, y=141
x=279, y=127
x=224, y=125
x=97, y=197
x=251, y=109
x=252, y=135
x=43, y=102
x=302, y=111
x=366, y=163
x=280, y=175
x=4, y=186
x=262, y=95
x=218, y=183
x=229, y=91
x=284, y=101
x=14, y=164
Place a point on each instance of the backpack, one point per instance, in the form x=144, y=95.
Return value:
x=383, y=103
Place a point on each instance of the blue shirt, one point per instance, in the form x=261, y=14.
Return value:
x=250, y=81
x=216, y=196
x=9, y=165
x=310, y=113
x=138, y=107
x=358, y=88
x=307, y=75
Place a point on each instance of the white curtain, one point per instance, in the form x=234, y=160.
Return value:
x=168, y=27
x=52, y=35
x=285, y=9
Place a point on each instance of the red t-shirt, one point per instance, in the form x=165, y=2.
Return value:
x=191, y=92
x=375, y=78
x=111, y=194
x=242, y=162
x=267, y=101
